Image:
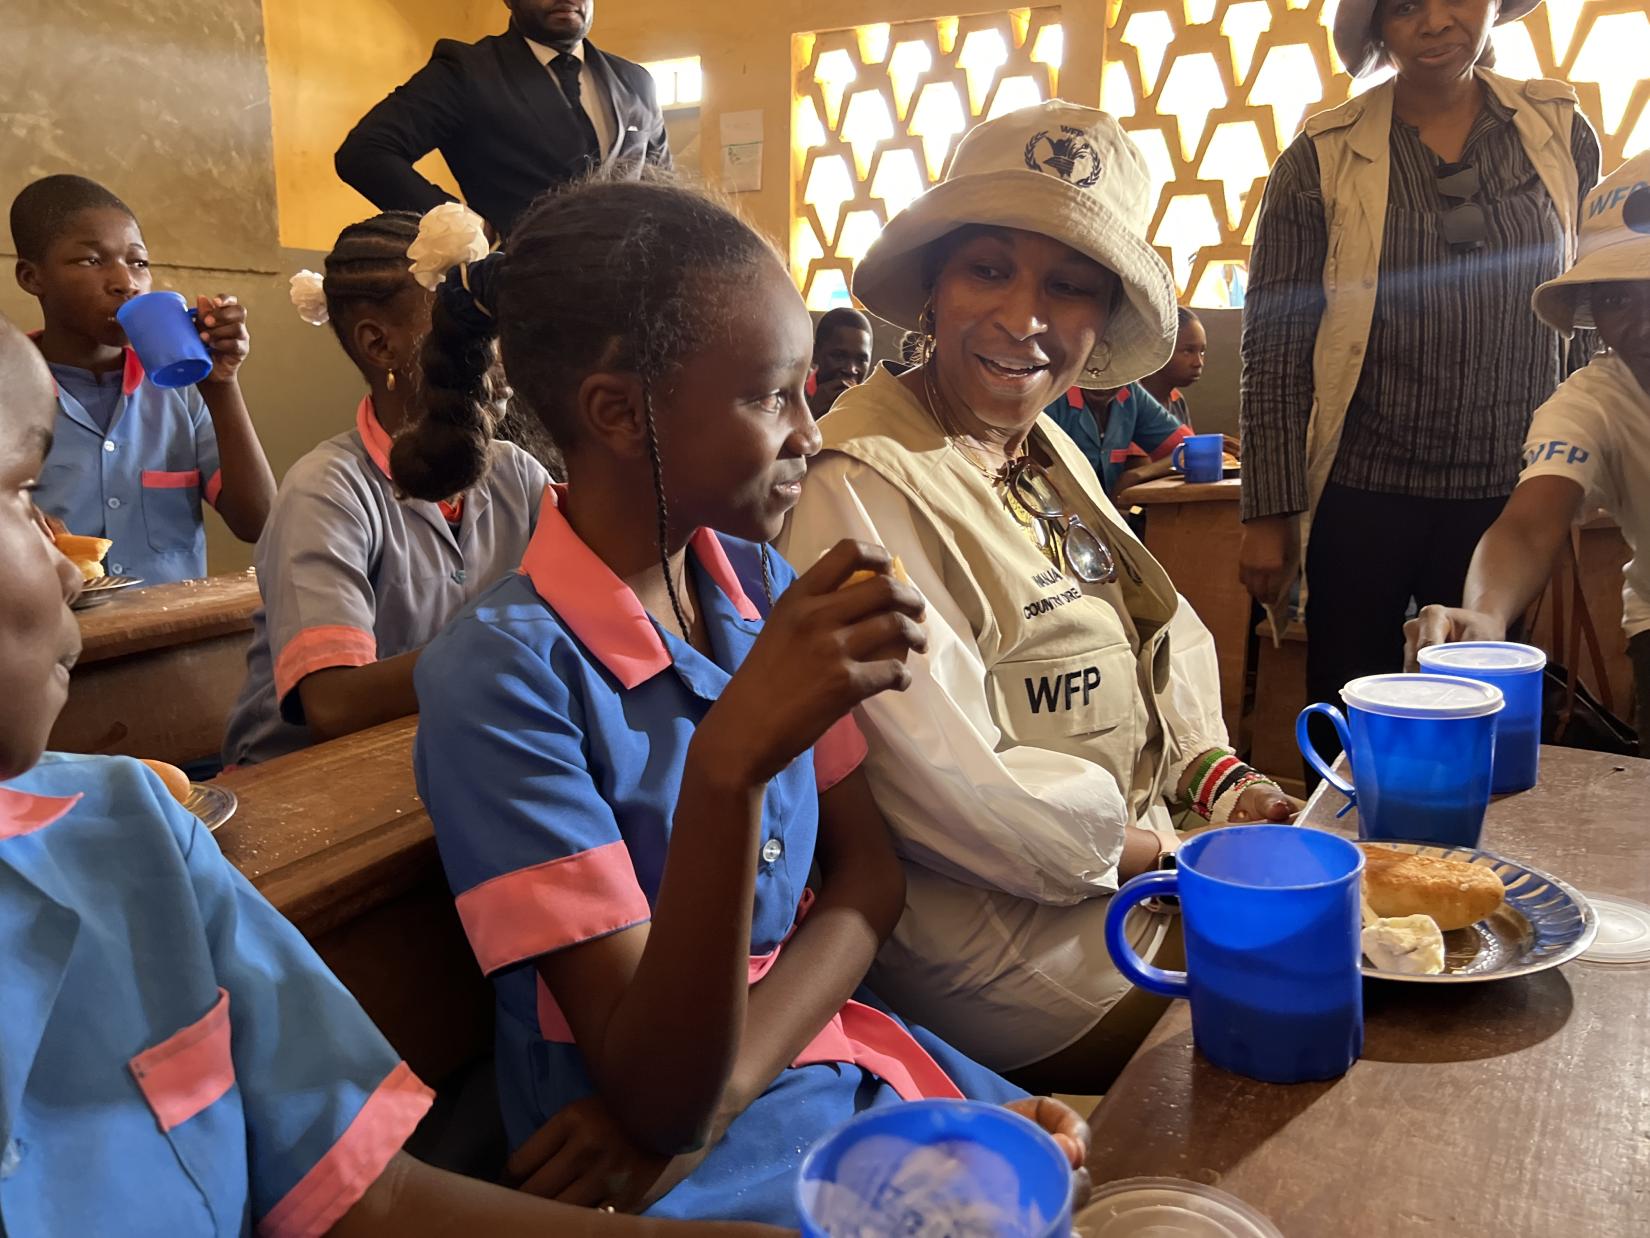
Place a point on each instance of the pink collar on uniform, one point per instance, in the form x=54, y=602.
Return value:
x=599, y=608
x=131, y=369
x=378, y=443
x=22, y=813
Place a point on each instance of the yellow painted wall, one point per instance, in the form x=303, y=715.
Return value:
x=745, y=46
x=331, y=60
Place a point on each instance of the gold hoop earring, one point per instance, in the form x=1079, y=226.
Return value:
x=389, y=379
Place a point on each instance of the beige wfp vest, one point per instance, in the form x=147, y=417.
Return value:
x=1354, y=162
x=1070, y=667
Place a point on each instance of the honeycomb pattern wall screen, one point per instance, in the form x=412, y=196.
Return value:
x=1212, y=90
x=877, y=112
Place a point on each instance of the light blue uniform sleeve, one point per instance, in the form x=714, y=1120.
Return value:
x=1154, y=425
x=532, y=850
x=206, y=446
x=328, y=1102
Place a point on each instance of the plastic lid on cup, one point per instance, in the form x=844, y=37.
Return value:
x=1494, y=656
x=1423, y=696
x=1623, y=931
x=1152, y=1207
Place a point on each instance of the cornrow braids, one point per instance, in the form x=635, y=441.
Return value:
x=368, y=267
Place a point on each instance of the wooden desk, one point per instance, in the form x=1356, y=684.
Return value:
x=336, y=838
x=1195, y=532
x=159, y=670
x=1519, y=1107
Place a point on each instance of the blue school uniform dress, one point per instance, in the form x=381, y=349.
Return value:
x=1136, y=426
x=552, y=780
x=134, y=470
x=174, y=1058
x=350, y=574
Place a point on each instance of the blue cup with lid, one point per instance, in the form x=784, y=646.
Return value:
x=1515, y=669
x=1270, y=915
x=936, y=1166
x=1422, y=755
x=165, y=333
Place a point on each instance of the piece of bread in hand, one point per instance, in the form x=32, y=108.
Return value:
x=896, y=569
x=1452, y=892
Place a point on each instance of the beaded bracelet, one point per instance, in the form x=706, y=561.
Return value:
x=1227, y=800
x=1213, y=774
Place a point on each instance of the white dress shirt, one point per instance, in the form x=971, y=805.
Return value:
x=598, y=105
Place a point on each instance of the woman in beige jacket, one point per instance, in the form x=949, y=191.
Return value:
x=1068, y=697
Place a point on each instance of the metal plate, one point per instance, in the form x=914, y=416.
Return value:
x=1542, y=923
x=96, y=592
x=211, y=803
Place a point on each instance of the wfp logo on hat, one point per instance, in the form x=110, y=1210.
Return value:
x=1635, y=212
x=1072, y=157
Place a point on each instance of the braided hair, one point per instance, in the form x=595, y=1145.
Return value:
x=620, y=276
x=367, y=270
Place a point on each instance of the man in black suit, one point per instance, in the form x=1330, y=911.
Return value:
x=513, y=114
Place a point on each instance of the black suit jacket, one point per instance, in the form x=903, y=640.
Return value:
x=502, y=124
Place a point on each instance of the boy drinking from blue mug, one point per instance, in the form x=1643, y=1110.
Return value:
x=1589, y=446
x=131, y=461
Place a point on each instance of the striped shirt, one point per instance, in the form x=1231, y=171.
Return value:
x=1456, y=362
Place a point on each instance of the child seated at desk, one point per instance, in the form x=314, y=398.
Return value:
x=174, y=1058
x=355, y=581
x=131, y=461
x=635, y=750
x=1587, y=447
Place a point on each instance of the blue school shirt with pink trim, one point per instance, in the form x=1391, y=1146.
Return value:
x=139, y=480
x=174, y=1058
x=552, y=779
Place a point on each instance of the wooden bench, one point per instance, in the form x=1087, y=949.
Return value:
x=159, y=670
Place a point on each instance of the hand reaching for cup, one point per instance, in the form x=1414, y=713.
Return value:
x=1445, y=625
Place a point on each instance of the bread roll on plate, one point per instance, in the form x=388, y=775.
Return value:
x=86, y=553
x=1452, y=892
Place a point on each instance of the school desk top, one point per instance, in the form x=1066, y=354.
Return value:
x=1511, y=1107
x=160, y=616
x=1173, y=490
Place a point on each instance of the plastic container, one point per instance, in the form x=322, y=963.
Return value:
x=164, y=334
x=1516, y=670
x=1199, y=457
x=1169, y=1208
x=900, y=1169
x=1270, y=915
x=1422, y=751
x=1623, y=930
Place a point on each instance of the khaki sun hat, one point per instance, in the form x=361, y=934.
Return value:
x=1613, y=245
x=1064, y=172
x=1362, y=53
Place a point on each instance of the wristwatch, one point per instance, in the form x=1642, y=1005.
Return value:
x=1165, y=904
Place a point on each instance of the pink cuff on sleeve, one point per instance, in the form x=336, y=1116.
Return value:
x=317, y=649
x=336, y=1182
x=838, y=753
x=551, y=906
x=161, y=479
x=1165, y=449
x=214, y=487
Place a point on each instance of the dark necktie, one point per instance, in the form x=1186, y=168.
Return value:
x=566, y=67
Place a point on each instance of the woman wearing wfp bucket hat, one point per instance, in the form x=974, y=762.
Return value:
x=1068, y=695
x=1589, y=445
x=1390, y=366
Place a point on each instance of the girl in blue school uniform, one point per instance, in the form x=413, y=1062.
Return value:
x=174, y=1058
x=131, y=461
x=634, y=750
x=355, y=580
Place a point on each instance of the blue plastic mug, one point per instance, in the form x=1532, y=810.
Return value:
x=1422, y=752
x=1199, y=457
x=893, y=1169
x=1270, y=914
x=163, y=331
x=1516, y=670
